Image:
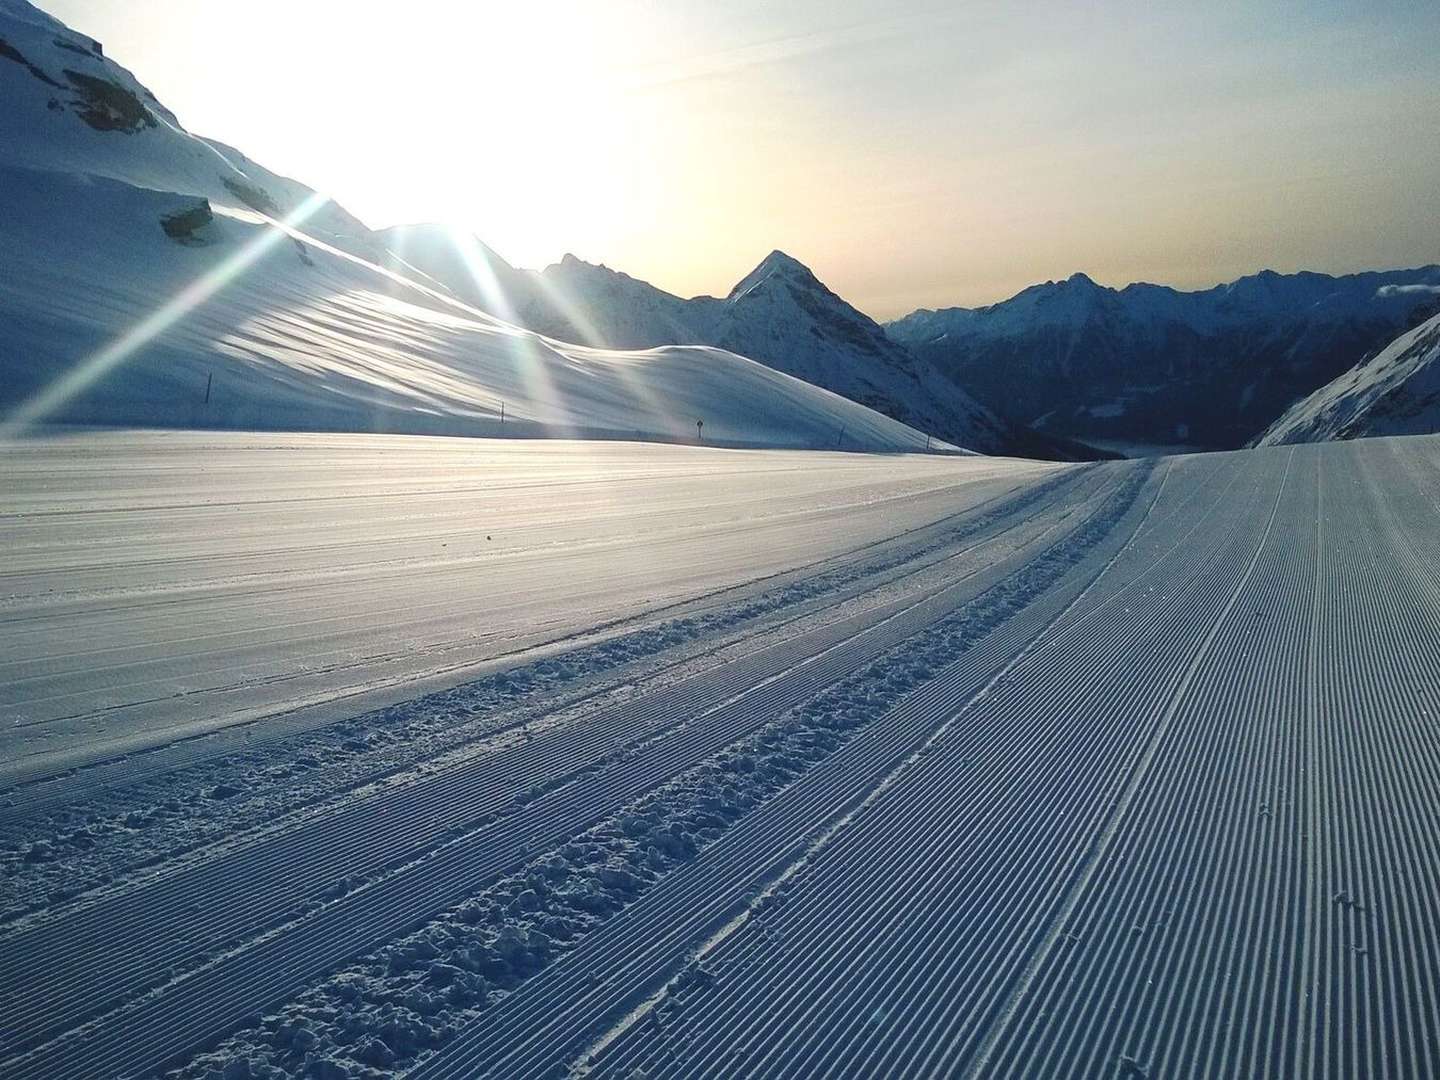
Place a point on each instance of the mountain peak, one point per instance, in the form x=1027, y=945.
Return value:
x=778, y=260
x=776, y=264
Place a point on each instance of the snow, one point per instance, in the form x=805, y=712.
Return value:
x=232, y=324
x=780, y=314
x=305, y=336
x=154, y=152
x=804, y=759
x=1225, y=361
x=347, y=754
x=247, y=576
x=1396, y=392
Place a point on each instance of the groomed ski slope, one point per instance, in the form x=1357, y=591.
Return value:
x=981, y=769
x=171, y=584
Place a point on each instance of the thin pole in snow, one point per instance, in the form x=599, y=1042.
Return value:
x=502, y=412
x=209, y=378
x=927, y=444
x=699, y=430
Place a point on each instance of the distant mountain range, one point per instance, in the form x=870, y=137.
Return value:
x=1151, y=364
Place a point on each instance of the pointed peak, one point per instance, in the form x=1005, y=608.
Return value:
x=776, y=264
x=778, y=260
x=1082, y=280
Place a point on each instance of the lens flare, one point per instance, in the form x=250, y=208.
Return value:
x=84, y=374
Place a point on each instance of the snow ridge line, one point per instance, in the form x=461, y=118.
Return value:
x=823, y=945
x=1143, y=948
x=322, y=1015
x=978, y=528
x=1313, y=911
x=790, y=587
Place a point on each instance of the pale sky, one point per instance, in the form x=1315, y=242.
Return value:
x=913, y=154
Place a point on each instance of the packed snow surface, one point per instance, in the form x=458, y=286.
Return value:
x=670, y=761
x=166, y=584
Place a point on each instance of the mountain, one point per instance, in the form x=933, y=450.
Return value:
x=146, y=281
x=782, y=315
x=70, y=108
x=1152, y=364
x=1394, y=392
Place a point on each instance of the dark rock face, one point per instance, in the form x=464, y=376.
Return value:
x=255, y=198
x=79, y=50
x=9, y=52
x=108, y=107
x=182, y=224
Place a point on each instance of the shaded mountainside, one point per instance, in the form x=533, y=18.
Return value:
x=1394, y=392
x=1153, y=364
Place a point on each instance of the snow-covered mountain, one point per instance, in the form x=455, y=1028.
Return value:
x=70, y=108
x=230, y=322
x=782, y=315
x=145, y=281
x=1153, y=364
x=1394, y=392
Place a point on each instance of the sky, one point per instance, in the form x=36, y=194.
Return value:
x=914, y=154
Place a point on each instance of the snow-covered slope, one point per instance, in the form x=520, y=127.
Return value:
x=344, y=757
x=782, y=315
x=238, y=325
x=1395, y=392
x=70, y=108
x=144, y=284
x=1155, y=364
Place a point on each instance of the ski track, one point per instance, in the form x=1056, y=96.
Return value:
x=1160, y=799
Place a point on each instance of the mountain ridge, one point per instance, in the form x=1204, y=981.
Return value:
x=781, y=314
x=1156, y=364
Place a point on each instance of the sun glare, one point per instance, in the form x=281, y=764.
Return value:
x=95, y=366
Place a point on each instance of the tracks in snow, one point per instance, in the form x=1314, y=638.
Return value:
x=423, y=845
x=1172, y=809
x=1200, y=840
